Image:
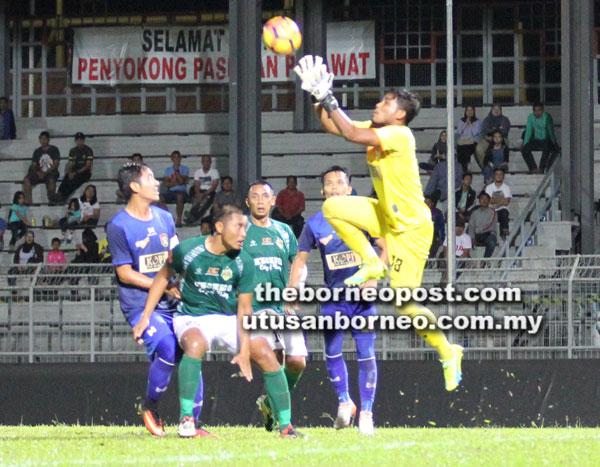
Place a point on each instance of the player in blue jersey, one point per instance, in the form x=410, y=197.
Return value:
x=339, y=263
x=140, y=238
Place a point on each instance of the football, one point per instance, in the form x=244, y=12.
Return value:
x=282, y=35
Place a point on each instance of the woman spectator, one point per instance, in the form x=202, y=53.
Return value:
x=17, y=219
x=28, y=252
x=439, y=150
x=90, y=207
x=494, y=121
x=468, y=129
x=496, y=157
x=71, y=220
x=87, y=253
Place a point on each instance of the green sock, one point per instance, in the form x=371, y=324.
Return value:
x=279, y=395
x=292, y=378
x=190, y=370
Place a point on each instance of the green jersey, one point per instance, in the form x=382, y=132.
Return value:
x=209, y=283
x=272, y=249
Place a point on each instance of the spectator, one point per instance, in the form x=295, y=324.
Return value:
x=206, y=181
x=17, y=219
x=289, y=206
x=493, y=122
x=2, y=230
x=500, y=196
x=496, y=157
x=50, y=274
x=482, y=226
x=465, y=198
x=43, y=168
x=8, y=129
x=71, y=220
x=104, y=250
x=462, y=248
x=468, y=129
x=28, y=252
x=437, y=186
x=439, y=228
x=206, y=226
x=439, y=148
x=87, y=253
x=174, y=185
x=539, y=136
x=90, y=207
x=136, y=158
x=78, y=170
x=227, y=195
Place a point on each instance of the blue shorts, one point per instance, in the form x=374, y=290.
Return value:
x=351, y=309
x=161, y=326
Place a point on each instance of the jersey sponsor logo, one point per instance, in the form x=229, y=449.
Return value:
x=371, y=385
x=267, y=241
x=212, y=288
x=164, y=240
x=326, y=240
x=279, y=243
x=268, y=263
x=153, y=262
x=226, y=273
x=345, y=259
x=212, y=272
x=151, y=231
x=142, y=243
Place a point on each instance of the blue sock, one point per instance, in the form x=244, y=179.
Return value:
x=198, y=400
x=338, y=373
x=367, y=371
x=161, y=369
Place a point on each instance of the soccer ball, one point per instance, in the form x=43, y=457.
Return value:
x=282, y=35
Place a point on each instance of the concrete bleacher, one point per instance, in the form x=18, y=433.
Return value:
x=115, y=138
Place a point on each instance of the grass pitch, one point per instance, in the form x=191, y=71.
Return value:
x=248, y=446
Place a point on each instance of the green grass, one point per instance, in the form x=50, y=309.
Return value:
x=247, y=446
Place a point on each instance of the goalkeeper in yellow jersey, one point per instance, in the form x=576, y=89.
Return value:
x=400, y=214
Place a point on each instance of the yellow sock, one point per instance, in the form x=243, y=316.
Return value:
x=436, y=337
x=356, y=241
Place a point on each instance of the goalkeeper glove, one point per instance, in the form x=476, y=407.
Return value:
x=317, y=80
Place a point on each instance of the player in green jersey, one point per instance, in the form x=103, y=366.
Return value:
x=216, y=283
x=273, y=246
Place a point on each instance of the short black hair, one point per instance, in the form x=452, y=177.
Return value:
x=261, y=181
x=291, y=176
x=175, y=152
x=130, y=172
x=483, y=193
x=335, y=168
x=226, y=211
x=55, y=239
x=538, y=104
x=407, y=101
x=467, y=173
x=226, y=177
x=136, y=154
x=44, y=133
x=459, y=222
x=501, y=169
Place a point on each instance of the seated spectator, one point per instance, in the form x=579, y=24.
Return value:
x=51, y=275
x=206, y=226
x=2, y=230
x=465, y=198
x=439, y=148
x=539, y=136
x=227, y=195
x=104, y=250
x=8, y=129
x=174, y=186
x=206, y=181
x=468, y=129
x=78, y=170
x=87, y=253
x=71, y=220
x=496, y=157
x=136, y=158
x=90, y=207
x=462, y=249
x=482, y=226
x=437, y=186
x=17, y=219
x=43, y=168
x=500, y=196
x=28, y=252
x=493, y=122
x=439, y=227
x=289, y=206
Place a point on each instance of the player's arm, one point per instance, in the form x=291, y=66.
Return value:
x=298, y=268
x=242, y=359
x=347, y=129
x=326, y=122
x=157, y=289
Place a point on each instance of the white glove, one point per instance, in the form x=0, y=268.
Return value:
x=314, y=76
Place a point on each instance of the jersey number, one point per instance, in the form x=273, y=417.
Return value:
x=396, y=263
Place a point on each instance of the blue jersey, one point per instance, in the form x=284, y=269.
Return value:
x=145, y=245
x=339, y=262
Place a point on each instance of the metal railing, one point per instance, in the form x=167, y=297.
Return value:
x=73, y=314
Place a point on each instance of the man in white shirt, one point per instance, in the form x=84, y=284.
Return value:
x=463, y=246
x=500, y=195
x=206, y=181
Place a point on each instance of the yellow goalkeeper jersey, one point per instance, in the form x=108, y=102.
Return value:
x=395, y=173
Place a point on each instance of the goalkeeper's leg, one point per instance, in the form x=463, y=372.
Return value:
x=351, y=216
